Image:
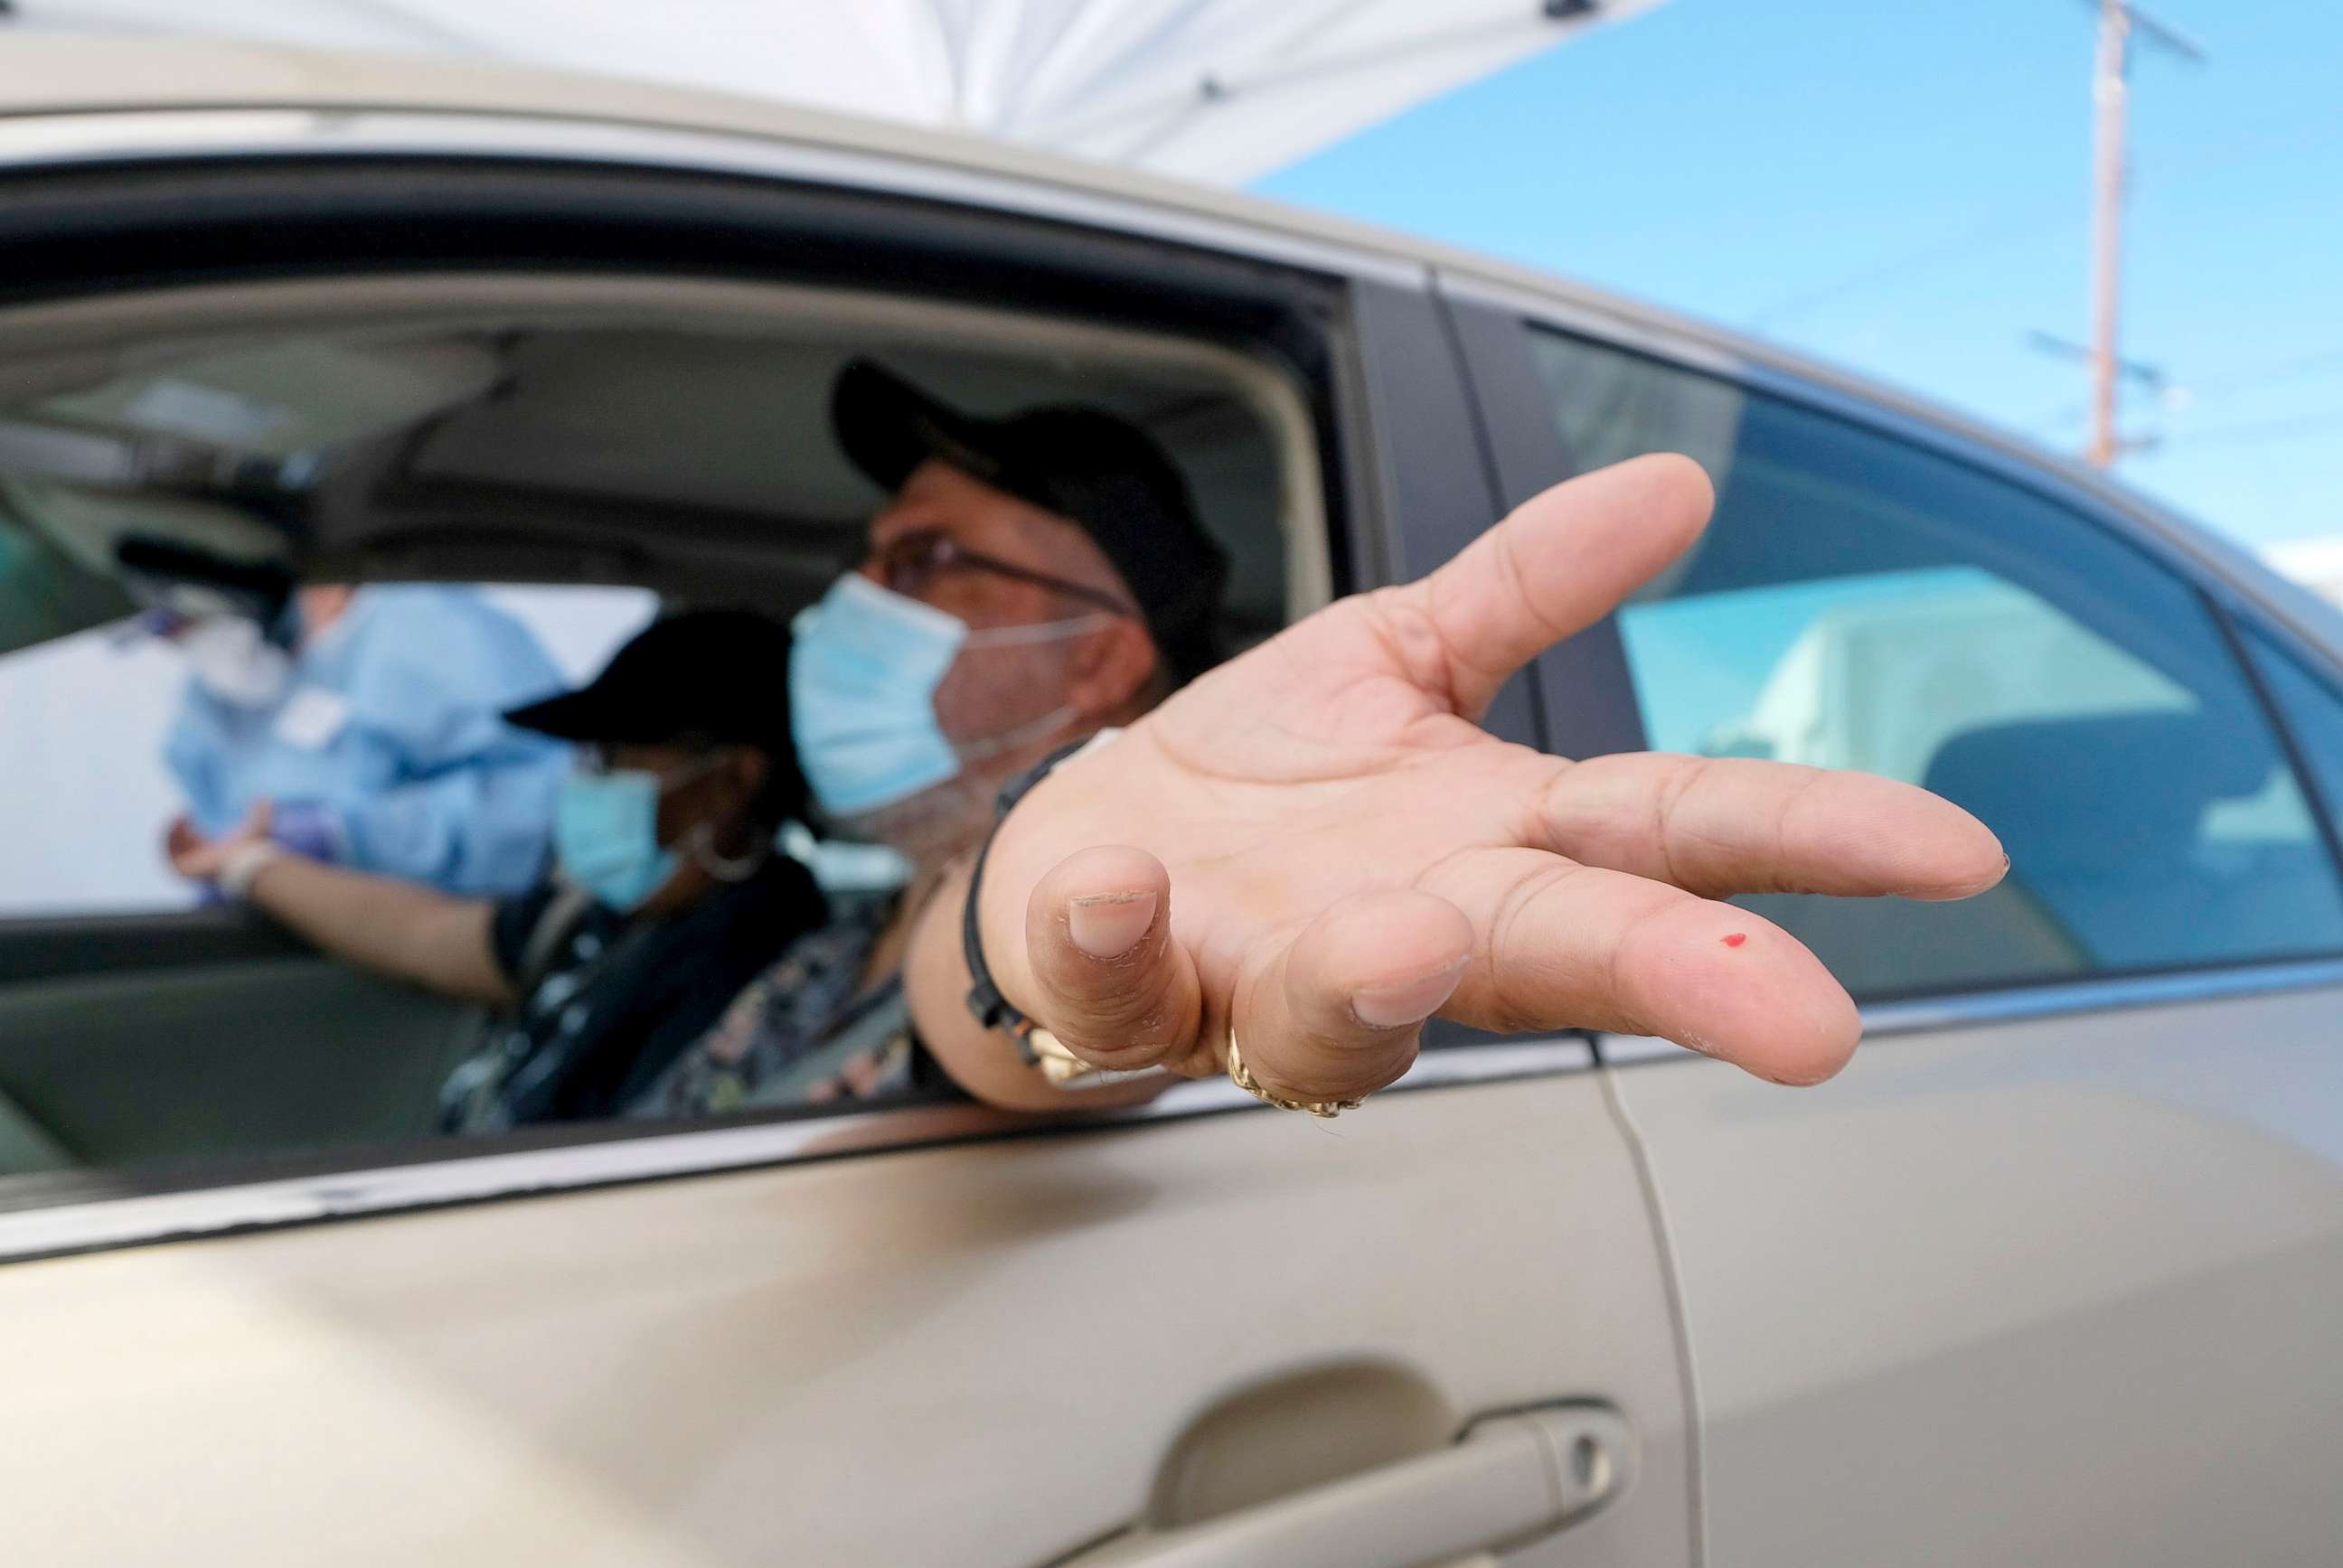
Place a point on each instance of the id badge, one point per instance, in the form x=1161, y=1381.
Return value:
x=311, y=718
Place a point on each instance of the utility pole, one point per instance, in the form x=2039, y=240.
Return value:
x=2117, y=19
x=2109, y=88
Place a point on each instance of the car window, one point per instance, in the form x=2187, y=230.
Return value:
x=2312, y=712
x=670, y=931
x=124, y=707
x=1860, y=603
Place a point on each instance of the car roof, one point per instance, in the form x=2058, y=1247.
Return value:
x=69, y=74
x=78, y=74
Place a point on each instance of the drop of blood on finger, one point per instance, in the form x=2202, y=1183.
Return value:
x=1736, y=939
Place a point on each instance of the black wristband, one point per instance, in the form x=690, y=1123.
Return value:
x=985, y=1002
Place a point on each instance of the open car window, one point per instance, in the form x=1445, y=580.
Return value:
x=496, y=483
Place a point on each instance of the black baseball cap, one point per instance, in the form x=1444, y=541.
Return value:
x=1103, y=473
x=710, y=677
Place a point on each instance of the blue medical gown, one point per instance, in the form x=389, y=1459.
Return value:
x=386, y=751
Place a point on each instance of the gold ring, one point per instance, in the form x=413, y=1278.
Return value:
x=1242, y=1076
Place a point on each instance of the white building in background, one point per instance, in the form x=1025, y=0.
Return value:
x=2316, y=564
x=1880, y=686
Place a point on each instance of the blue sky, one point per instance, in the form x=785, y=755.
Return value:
x=1903, y=189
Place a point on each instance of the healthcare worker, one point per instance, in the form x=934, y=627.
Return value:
x=374, y=731
x=666, y=897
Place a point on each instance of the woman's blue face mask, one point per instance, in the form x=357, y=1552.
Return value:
x=863, y=673
x=606, y=831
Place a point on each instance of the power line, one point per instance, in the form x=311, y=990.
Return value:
x=2151, y=376
x=1993, y=231
x=2017, y=223
x=2258, y=430
x=2014, y=224
x=2292, y=368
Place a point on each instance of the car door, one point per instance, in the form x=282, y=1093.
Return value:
x=2048, y=1274
x=901, y=1335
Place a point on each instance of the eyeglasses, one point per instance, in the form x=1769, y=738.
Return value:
x=910, y=562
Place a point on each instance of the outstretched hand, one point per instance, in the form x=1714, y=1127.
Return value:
x=1316, y=848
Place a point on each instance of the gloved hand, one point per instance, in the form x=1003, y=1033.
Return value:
x=202, y=858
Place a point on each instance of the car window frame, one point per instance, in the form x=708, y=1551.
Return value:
x=2238, y=626
x=1371, y=530
x=1584, y=684
x=1589, y=692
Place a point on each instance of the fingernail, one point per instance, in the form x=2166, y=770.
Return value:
x=1405, y=1001
x=1111, y=926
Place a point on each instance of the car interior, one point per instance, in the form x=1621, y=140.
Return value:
x=667, y=434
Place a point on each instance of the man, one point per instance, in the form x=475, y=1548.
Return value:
x=1030, y=581
x=373, y=730
x=668, y=895
x=1353, y=853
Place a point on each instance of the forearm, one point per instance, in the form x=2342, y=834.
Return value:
x=984, y=1061
x=392, y=928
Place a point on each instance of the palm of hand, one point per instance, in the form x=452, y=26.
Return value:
x=1343, y=849
x=1329, y=767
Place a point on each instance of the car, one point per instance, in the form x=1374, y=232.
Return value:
x=2048, y=1275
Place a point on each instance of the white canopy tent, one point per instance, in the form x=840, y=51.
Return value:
x=1220, y=91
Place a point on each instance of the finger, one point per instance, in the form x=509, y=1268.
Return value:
x=1720, y=825
x=256, y=820
x=1112, y=985
x=186, y=850
x=1563, y=946
x=1339, y=1013
x=1560, y=563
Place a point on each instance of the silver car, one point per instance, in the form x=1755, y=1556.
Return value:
x=2050, y=1275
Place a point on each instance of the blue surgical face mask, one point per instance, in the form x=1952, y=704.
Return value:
x=863, y=672
x=234, y=660
x=606, y=832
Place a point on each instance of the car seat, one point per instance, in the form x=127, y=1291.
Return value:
x=2103, y=817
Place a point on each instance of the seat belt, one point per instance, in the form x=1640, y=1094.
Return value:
x=568, y=906
x=480, y=1074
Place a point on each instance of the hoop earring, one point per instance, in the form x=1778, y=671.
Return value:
x=702, y=844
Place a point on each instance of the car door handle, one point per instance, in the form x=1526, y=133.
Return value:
x=1512, y=1479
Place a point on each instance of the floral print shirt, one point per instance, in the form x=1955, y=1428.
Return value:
x=807, y=1031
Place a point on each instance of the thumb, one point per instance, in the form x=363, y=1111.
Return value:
x=1109, y=979
x=255, y=821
